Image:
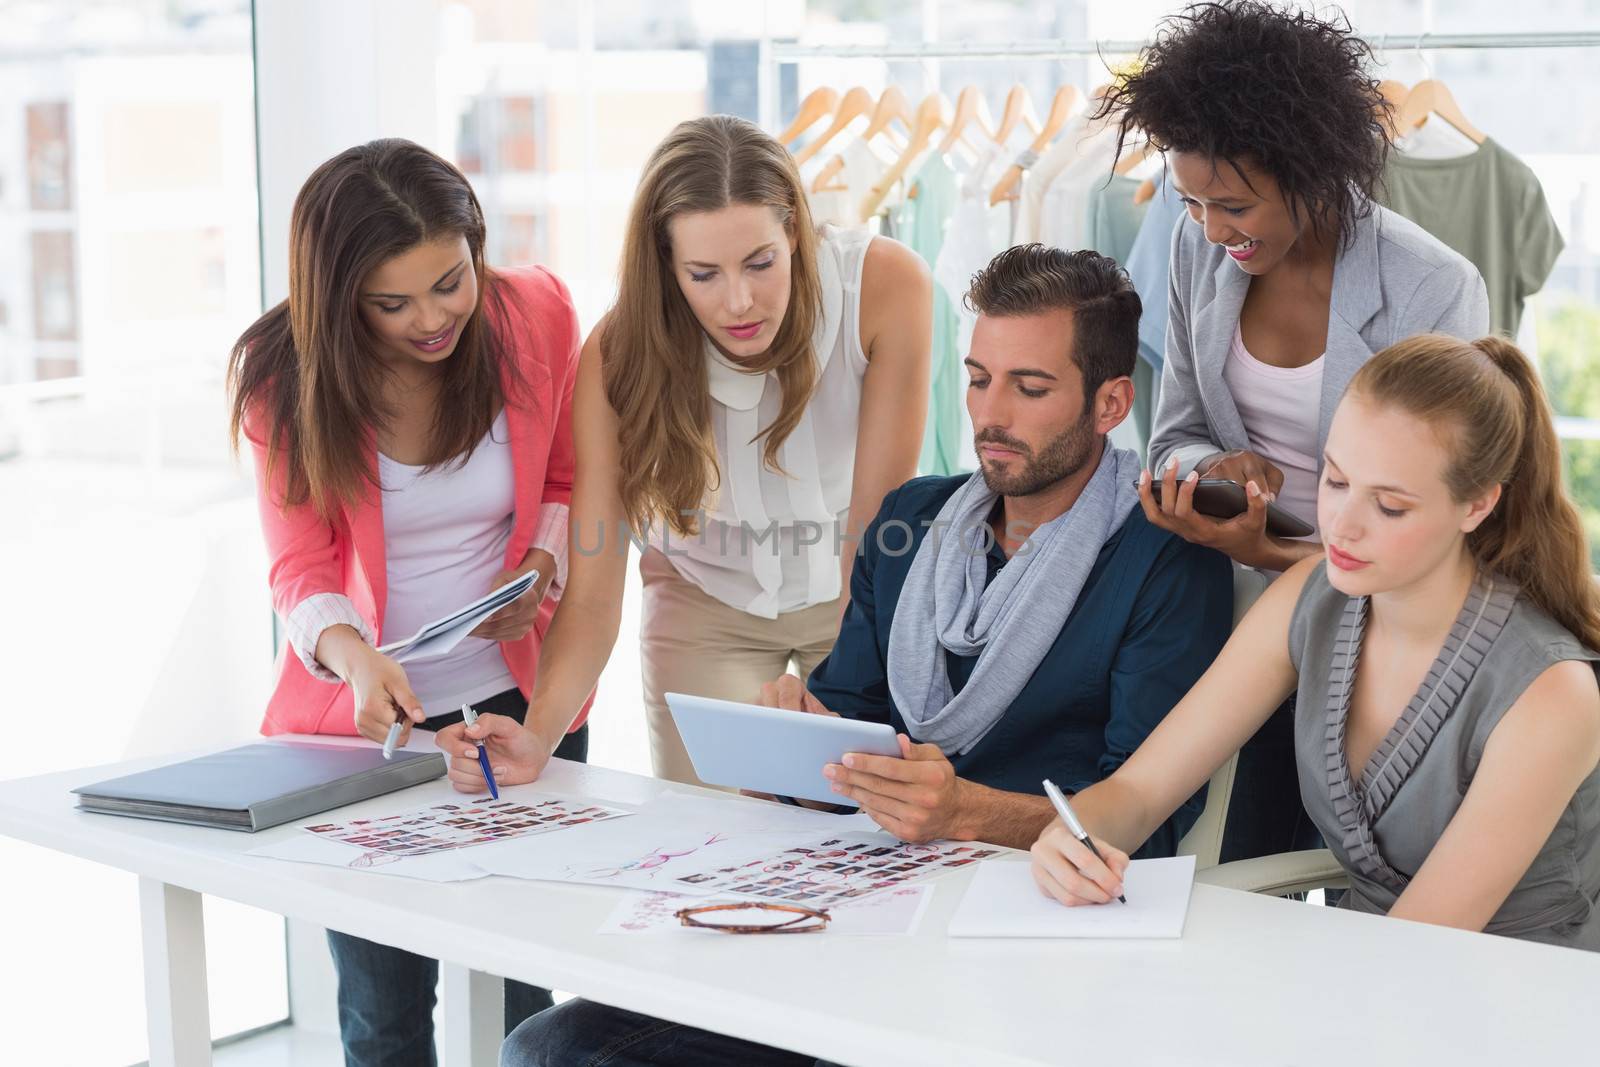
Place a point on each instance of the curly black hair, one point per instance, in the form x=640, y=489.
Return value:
x=1285, y=90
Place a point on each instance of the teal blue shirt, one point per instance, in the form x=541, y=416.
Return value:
x=920, y=224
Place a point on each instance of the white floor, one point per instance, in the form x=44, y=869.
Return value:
x=283, y=1046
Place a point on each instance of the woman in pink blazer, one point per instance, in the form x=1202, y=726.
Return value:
x=409, y=414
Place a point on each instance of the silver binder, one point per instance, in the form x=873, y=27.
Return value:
x=257, y=786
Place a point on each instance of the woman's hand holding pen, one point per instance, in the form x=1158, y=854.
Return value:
x=517, y=755
x=382, y=695
x=1066, y=869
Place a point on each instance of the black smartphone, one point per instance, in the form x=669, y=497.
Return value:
x=1223, y=499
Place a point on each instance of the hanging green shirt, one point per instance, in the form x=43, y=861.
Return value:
x=1488, y=206
x=920, y=223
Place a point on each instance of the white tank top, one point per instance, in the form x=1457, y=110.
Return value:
x=444, y=540
x=771, y=542
x=1280, y=408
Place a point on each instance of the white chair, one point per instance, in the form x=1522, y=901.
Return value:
x=1281, y=874
x=1204, y=839
x=1277, y=875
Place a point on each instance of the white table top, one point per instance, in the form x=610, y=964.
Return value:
x=1254, y=980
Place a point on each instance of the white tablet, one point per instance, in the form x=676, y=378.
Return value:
x=770, y=750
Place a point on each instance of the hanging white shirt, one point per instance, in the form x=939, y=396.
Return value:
x=1064, y=212
x=976, y=234
x=840, y=203
x=770, y=543
x=1062, y=151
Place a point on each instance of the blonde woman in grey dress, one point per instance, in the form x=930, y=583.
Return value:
x=1443, y=650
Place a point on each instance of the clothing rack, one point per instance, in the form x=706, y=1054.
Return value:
x=1051, y=49
x=774, y=53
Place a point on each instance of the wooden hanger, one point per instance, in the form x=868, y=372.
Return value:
x=823, y=182
x=1018, y=109
x=1130, y=160
x=1432, y=97
x=1145, y=193
x=853, y=105
x=891, y=105
x=1396, y=93
x=970, y=109
x=928, y=121
x=1062, y=108
x=818, y=105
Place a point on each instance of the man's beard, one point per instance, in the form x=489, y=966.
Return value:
x=1061, y=458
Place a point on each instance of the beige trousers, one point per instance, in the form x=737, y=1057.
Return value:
x=691, y=642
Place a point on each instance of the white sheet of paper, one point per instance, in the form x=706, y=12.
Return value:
x=699, y=846
x=1003, y=901
x=675, y=834
x=455, y=866
x=435, y=639
x=437, y=645
x=640, y=853
x=894, y=912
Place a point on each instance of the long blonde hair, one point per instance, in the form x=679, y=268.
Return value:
x=652, y=345
x=1486, y=397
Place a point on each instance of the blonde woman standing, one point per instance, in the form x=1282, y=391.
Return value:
x=740, y=413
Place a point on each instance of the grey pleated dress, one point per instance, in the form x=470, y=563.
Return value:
x=1383, y=829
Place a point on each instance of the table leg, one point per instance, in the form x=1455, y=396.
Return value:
x=176, y=1007
x=474, y=1016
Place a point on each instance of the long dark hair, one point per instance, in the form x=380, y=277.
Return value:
x=304, y=379
x=652, y=344
x=1485, y=395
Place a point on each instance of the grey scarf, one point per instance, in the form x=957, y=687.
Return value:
x=1009, y=625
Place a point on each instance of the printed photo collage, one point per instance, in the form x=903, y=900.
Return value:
x=836, y=870
x=459, y=825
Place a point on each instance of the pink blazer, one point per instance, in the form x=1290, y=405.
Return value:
x=310, y=555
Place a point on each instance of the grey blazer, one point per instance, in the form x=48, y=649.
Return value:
x=1394, y=281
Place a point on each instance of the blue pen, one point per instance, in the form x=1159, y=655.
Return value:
x=470, y=716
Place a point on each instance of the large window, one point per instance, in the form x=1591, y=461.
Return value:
x=136, y=618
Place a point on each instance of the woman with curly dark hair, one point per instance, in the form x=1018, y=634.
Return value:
x=1288, y=281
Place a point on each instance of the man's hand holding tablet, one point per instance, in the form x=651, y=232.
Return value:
x=917, y=797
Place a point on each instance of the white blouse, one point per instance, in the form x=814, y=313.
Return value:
x=771, y=543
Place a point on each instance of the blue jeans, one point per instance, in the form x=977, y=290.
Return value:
x=581, y=1033
x=386, y=994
